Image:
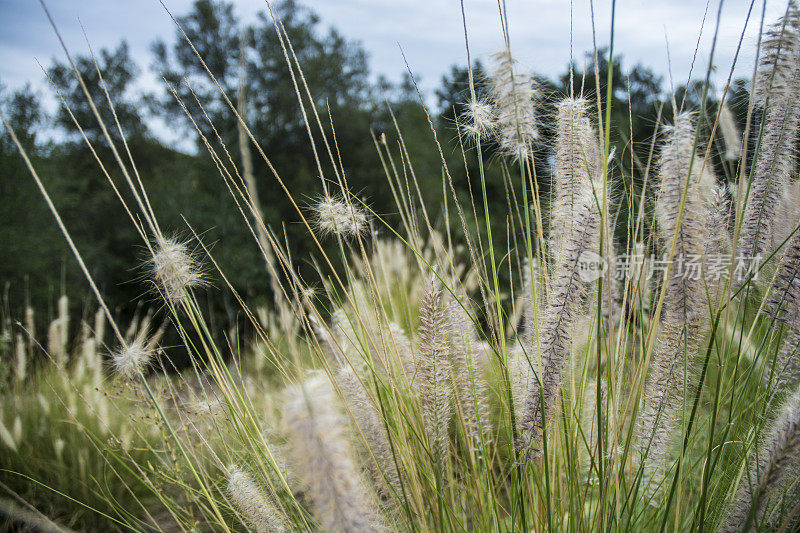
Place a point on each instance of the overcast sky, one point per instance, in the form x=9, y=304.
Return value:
x=656, y=33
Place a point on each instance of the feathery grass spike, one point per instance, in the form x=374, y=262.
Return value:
x=777, y=463
x=370, y=423
x=777, y=88
x=469, y=383
x=325, y=459
x=257, y=508
x=434, y=370
x=685, y=308
x=568, y=287
x=513, y=96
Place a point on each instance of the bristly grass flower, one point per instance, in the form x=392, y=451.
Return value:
x=479, y=121
x=775, y=467
x=435, y=371
x=730, y=133
x=776, y=91
x=257, y=508
x=325, y=459
x=681, y=213
x=175, y=269
x=132, y=358
x=334, y=215
x=513, y=96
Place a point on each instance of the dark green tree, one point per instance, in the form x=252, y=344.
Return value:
x=31, y=248
x=117, y=71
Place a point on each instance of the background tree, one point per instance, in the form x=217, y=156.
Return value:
x=118, y=72
x=31, y=249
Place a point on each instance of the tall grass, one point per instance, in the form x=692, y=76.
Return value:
x=408, y=388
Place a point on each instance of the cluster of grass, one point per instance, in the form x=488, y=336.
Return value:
x=62, y=424
x=409, y=389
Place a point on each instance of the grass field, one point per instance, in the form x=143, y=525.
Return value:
x=627, y=360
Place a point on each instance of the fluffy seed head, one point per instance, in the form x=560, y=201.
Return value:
x=717, y=243
x=578, y=170
x=400, y=350
x=660, y=417
x=575, y=229
x=6, y=437
x=678, y=158
x=577, y=164
x=371, y=430
x=513, y=97
x=683, y=181
x=58, y=447
x=777, y=74
x=132, y=358
x=730, y=133
x=43, y=403
x=775, y=466
x=17, y=429
x=469, y=382
x=773, y=170
x=479, y=120
x=784, y=300
x=433, y=380
x=349, y=339
x=335, y=216
x=783, y=305
x=326, y=340
x=784, y=372
x=325, y=459
x=530, y=283
x=258, y=509
x=21, y=364
x=521, y=375
x=555, y=333
x=787, y=213
x=777, y=88
x=175, y=269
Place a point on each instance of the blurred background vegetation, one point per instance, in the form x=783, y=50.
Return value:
x=187, y=190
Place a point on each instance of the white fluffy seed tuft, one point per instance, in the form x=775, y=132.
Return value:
x=479, y=121
x=175, y=269
x=513, y=95
x=335, y=216
x=132, y=358
x=326, y=461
